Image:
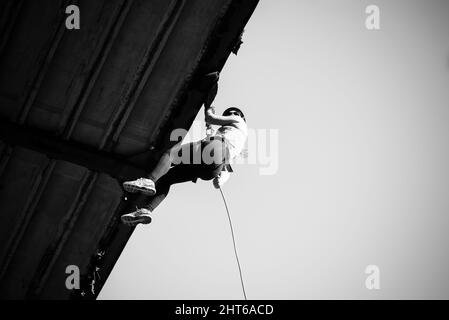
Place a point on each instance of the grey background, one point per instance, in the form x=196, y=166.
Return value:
x=363, y=153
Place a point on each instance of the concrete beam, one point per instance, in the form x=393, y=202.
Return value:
x=56, y=148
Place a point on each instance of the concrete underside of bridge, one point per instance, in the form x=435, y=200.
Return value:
x=83, y=110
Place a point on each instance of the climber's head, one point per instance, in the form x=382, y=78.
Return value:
x=234, y=111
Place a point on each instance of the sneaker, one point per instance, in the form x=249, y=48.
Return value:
x=141, y=215
x=142, y=185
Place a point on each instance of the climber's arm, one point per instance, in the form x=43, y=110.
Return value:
x=212, y=118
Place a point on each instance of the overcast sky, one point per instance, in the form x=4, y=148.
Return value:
x=362, y=179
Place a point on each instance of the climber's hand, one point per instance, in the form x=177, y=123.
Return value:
x=211, y=95
x=221, y=179
x=216, y=183
x=209, y=114
x=210, y=110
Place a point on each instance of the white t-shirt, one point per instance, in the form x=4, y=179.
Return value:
x=236, y=135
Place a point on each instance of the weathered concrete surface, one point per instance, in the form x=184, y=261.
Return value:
x=82, y=110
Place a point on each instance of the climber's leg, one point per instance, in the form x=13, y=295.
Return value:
x=165, y=162
x=177, y=174
x=147, y=185
x=210, y=153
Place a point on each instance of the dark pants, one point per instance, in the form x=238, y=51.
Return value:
x=187, y=172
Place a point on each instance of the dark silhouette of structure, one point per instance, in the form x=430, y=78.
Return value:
x=83, y=110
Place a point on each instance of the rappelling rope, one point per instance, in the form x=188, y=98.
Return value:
x=233, y=241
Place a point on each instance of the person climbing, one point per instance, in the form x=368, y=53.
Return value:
x=207, y=159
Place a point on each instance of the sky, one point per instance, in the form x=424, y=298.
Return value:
x=359, y=172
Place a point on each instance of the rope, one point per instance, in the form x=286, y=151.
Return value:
x=233, y=241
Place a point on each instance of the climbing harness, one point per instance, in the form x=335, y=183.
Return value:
x=233, y=241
